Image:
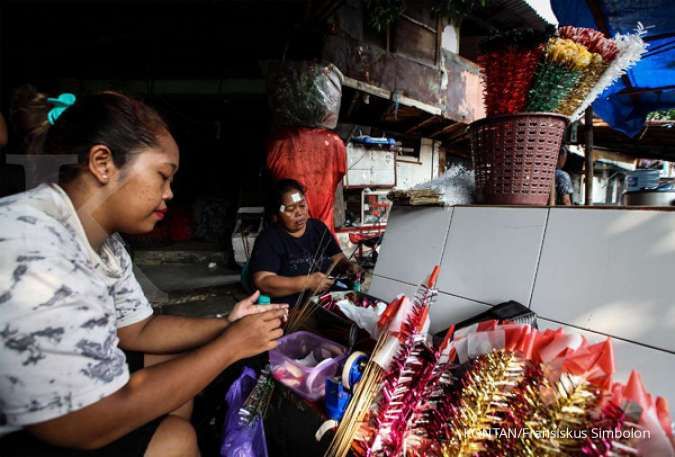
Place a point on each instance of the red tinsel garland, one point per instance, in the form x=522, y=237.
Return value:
x=508, y=78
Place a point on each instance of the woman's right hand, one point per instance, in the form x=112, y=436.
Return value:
x=255, y=333
x=319, y=282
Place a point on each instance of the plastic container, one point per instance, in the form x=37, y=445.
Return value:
x=303, y=361
x=515, y=156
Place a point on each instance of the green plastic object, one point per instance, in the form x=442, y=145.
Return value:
x=264, y=299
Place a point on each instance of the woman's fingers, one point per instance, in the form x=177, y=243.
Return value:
x=253, y=297
x=274, y=315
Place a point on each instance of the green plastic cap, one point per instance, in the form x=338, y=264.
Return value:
x=264, y=299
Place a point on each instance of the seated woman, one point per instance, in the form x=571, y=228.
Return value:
x=294, y=254
x=71, y=303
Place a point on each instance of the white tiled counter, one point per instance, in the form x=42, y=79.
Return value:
x=599, y=271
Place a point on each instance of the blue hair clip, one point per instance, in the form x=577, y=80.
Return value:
x=61, y=103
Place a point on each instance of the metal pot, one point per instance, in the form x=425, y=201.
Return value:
x=649, y=198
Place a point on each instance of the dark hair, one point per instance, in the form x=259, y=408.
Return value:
x=117, y=121
x=28, y=118
x=280, y=188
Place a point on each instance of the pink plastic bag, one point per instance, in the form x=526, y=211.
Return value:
x=303, y=361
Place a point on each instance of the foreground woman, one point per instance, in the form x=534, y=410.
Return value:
x=70, y=301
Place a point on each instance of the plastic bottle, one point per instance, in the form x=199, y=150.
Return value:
x=264, y=299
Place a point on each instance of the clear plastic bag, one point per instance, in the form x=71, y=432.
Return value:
x=303, y=361
x=305, y=94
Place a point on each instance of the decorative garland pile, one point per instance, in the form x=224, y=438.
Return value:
x=562, y=74
x=497, y=389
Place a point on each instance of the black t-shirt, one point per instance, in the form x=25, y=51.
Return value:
x=278, y=252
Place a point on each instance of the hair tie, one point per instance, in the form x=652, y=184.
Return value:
x=61, y=103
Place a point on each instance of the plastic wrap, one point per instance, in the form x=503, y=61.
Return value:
x=305, y=94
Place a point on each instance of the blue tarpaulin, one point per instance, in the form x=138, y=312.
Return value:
x=649, y=85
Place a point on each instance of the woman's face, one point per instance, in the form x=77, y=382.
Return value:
x=293, y=212
x=144, y=187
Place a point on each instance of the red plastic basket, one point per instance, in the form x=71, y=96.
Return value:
x=515, y=156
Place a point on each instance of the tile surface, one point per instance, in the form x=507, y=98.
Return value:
x=491, y=253
x=413, y=243
x=446, y=310
x=610, y=271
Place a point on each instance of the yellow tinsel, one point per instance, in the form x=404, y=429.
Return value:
x=485, y=397
x=589, y=78
x=568, y=53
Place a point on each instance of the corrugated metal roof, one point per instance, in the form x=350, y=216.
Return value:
x=516, y=13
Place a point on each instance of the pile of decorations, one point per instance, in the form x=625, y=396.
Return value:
x=560, y=71
x=494, y=388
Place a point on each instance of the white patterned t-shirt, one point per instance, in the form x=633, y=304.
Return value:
x=61, y=304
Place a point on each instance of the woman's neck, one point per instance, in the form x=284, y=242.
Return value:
x=297, y=234
x=89, y=204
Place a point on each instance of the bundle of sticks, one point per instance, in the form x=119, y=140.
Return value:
x=416, y=197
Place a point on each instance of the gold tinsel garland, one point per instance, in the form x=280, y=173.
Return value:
x=484, y=399
x=589, y=78
x=506, y=405
x=559, y=416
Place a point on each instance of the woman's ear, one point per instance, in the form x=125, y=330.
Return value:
x=101, y=163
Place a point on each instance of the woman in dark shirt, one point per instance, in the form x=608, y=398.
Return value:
x=295, y=252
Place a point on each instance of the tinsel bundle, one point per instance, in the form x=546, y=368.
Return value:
x=589, y=78
x=487, y=389
x=398, y=396
x=594, y=41
x=560, y=416
x=558, y=73
x=509, y=60
x=427, y=425
x=604, y=52
x=602, y=443
x=630, y=50
x=508, y=76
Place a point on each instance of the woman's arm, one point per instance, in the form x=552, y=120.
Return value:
x=280, y=286
x=162, y=388
x=162, y=334
x=343, y=264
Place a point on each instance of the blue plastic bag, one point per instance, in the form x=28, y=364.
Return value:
x=241, y=439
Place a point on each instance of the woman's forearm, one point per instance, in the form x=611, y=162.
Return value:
x=281, y=286
x=164, y=334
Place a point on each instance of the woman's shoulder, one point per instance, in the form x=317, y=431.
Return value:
x=316, y=224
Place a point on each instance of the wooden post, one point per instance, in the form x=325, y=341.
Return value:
x=588, y=118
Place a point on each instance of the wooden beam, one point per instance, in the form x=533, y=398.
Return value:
x=418, y=23
x=448, y=129
x=589, y=155
x=384, y=93
x=419, y=125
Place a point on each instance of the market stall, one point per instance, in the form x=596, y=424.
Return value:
x=494, y=330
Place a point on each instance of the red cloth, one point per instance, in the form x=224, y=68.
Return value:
x=317, y=159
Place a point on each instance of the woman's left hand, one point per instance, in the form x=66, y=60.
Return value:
x=355, y=269
x=248, y=306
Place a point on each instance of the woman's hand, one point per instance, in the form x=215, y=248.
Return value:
x=354, y=269
x=255, y=333
x=248, y=306
x=319, y=282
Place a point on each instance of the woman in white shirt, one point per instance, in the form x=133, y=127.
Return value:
x=69, y=301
